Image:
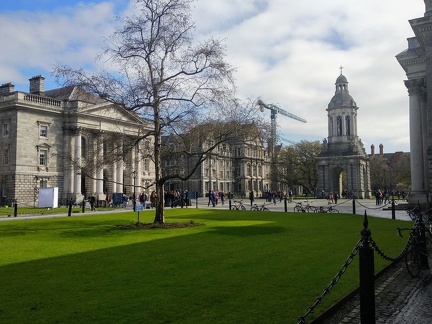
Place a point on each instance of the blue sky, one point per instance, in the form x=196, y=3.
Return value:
x=286, y=52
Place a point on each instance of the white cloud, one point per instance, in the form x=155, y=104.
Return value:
x=287, y=52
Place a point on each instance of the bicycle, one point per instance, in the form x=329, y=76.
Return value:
x=329, y=209
x=263, y=207
x=238, y=205
x=417, y=254
x=307, y=208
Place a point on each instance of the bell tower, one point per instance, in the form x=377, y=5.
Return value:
x=343, y=165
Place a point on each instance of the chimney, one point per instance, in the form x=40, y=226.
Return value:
x=372, y=150
x=6, y=88
x=37, y=85
x=381, y=149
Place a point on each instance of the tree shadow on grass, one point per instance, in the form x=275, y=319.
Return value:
x=249, y=230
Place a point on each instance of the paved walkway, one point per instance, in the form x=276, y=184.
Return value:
x=399, y=299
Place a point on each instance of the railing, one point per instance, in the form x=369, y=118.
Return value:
x=365, y=248
x=43, y=100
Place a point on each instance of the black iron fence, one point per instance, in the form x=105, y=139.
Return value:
x=365, y=248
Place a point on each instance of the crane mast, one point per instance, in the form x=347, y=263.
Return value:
x=274, y=110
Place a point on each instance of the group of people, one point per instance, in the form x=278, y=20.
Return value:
x=385, y=196
x=214, y=198
x=177, y=198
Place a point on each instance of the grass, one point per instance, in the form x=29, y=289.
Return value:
x=240, y=267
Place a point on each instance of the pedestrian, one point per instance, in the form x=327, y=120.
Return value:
x=93, y=203
x=336, y=197
x=251, y=197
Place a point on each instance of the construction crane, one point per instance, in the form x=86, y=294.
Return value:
x=274, y=111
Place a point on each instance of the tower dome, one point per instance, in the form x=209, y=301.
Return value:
x=341, y=79
x=342, y=97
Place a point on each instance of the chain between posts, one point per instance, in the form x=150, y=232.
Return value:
x=355, y=251
x=388, y=258
x=326, y=291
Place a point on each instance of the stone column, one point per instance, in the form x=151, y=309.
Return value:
x=119, y=169
x=139, y=170
x=415, y=92
x=77, y=166
x=99, y=169
x=428, y=5
x=68, y=178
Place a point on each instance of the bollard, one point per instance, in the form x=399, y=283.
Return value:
x=393, y=210
x=354, y=207
x=285, y=204
x=70, y=208
x=15, y=208
x=367, y=289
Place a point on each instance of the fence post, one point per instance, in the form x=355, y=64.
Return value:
x=83, y=205
x=367, y=289
x=229, y=200
x=354, y=206
x=393, y=209
x=70, y=207
x=15, y=208
x=285, y=204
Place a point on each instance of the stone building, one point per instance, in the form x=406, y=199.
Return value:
x=238, y=166
x=343, y=165
x=416, y=60
x=67, y=138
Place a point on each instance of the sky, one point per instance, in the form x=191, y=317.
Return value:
x=286, y=52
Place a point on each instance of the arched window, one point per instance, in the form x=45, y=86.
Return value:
x=331, y=126
x=339, y=126
x=348, y=125
x=249, y=169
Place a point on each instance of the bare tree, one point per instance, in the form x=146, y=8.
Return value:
x=156, y=70
x=297, y=164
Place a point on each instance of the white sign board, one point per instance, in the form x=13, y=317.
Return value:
x=48, y=197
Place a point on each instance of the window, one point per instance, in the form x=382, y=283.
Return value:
x=339, y=126
x=5, y=130
x=43, y=183
x=347, y=126
x=6, y=156
x=43, y=131
x=146, y=165
x=43, y=155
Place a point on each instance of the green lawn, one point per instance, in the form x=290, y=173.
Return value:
x=239, y=267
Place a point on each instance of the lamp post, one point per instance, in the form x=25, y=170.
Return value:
x=134, y=196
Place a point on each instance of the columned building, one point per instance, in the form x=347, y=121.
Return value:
x=343, y=165
x=70, y=139
x=416, y=60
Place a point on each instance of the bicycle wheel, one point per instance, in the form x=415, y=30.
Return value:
x=242, y=207
x=412, y=261
x=254, y=208
x=298, y=209
x=265, y=209
x=333, y=210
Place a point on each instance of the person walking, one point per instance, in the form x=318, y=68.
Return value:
x=251, y=197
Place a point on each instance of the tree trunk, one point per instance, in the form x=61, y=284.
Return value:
x=160, y=214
